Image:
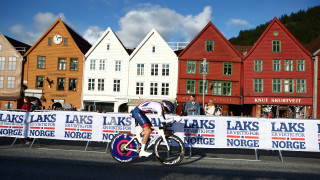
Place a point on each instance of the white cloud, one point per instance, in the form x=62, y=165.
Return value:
x=137, y=23
x=92, y=34
x=42, y=21
x=238, y=23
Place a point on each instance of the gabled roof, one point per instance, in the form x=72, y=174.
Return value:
x=143, y=42
x=82, y=44
x=104, y=34
x=19, y=46
x=314, y=45
x=210, y=24
x=276, y=20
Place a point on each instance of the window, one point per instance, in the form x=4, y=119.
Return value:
x=258, y=85
x=165, y=69
x=201, y=84
x=209, y=46
x=41, y=62
x=49, y=41
x=2, y=63
x=301, y=86
x=11, y=81
x=73, y=64
x=100, y=84
x=108, y=47
x=139, y=88
x=276, y=46
x=72, y=84
x=116, y=85
x=1, y=82
x=0, y=47
x=12, y=63
x=62, y=63
x=216, y=88
x=153, y=88
x=276, y=86
x=227, y=88
x=301, y=65
x=102, y=64
x=140, y=69
x=288, y=65
x=65, y=41
x=39, y=82
x=165, y=89
x=227, y=68
x=91, y=84
x=191, y=67
x=277, y=65
x=92, y=64
x=191, y=86
x=118, y=66
x=258, y=65
x=154, y=69
x=222, y=88
x=61, y=82
x=288, y=86
x=201, y=67
x=153, y=49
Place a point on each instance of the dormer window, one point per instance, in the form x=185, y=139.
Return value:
x=108, y=47
x=49, y=41
x=65, y=41
x=153, y=49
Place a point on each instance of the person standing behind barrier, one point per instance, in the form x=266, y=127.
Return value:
x=26, y=104
x=210, y=108
x=192, y=107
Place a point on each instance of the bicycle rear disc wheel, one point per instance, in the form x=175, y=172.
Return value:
x=117, y=150
x=172, y=157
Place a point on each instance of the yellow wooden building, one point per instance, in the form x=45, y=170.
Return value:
x=54, y=66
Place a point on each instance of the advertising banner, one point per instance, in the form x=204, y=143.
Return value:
x=194, y=131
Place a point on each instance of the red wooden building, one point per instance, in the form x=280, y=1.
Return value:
x=278, y=75
x=223, y=71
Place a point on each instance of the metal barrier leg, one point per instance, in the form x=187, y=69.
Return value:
x=190, y=153
x=32, y=143
x=87, y=145
x=280, y=154
x=107, y=147
x=14, y=142
x=256, y=153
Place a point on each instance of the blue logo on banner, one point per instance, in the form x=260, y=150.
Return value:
x=123, y=121
x=204, y=124
x=12, y=118
x=79, y=119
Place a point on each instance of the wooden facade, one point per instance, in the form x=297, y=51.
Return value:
x=54, y=66
x=11, y=60
x=223, y=72
x=278, y=74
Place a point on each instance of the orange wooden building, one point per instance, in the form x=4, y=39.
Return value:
x=54, y=66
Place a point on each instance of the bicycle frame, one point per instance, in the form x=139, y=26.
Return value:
x=138, y=136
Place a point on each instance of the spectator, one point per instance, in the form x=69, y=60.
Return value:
x=192, y=106
x=55, y=105
x=26, y=104
x=210, y=109
x=270, y=116
x=231, y=113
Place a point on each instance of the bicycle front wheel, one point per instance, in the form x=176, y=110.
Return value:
x=117, y=150
x=174, y=155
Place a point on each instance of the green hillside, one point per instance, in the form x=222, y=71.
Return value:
x=304, y=25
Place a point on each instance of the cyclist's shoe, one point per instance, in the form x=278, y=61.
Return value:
x=144, y=153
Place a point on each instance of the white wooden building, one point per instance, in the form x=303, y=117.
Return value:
x=153, y=71
x=105, y=75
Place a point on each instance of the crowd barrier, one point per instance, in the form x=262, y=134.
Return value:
x=195, y=131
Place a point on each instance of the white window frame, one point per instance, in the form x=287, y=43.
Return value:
x=12, y=65
x=100, y=84
x=116, y=85
x=154, y=69
x=139, y=88
x=153, y=88
x=102, y=64
x=2, y=63
x=92, y=64
x=165, y=89
x=1, y=81
x=117, y=65
x=140, y=69
x=91, y=84
x=11, y=80
x=165, y=69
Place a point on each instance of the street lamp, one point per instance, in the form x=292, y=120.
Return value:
x=204, y=65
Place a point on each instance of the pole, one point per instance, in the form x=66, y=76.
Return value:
x=204, y=64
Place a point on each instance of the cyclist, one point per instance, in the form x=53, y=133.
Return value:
x=139, y=114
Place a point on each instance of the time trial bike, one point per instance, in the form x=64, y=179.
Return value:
x=168, y=148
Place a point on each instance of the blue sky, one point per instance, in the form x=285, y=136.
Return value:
x=131, y=20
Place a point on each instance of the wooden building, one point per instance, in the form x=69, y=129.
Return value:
x=54, y=66
x=222, y=72
x=314, y=48
x=278, y=75
x=11, y=61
